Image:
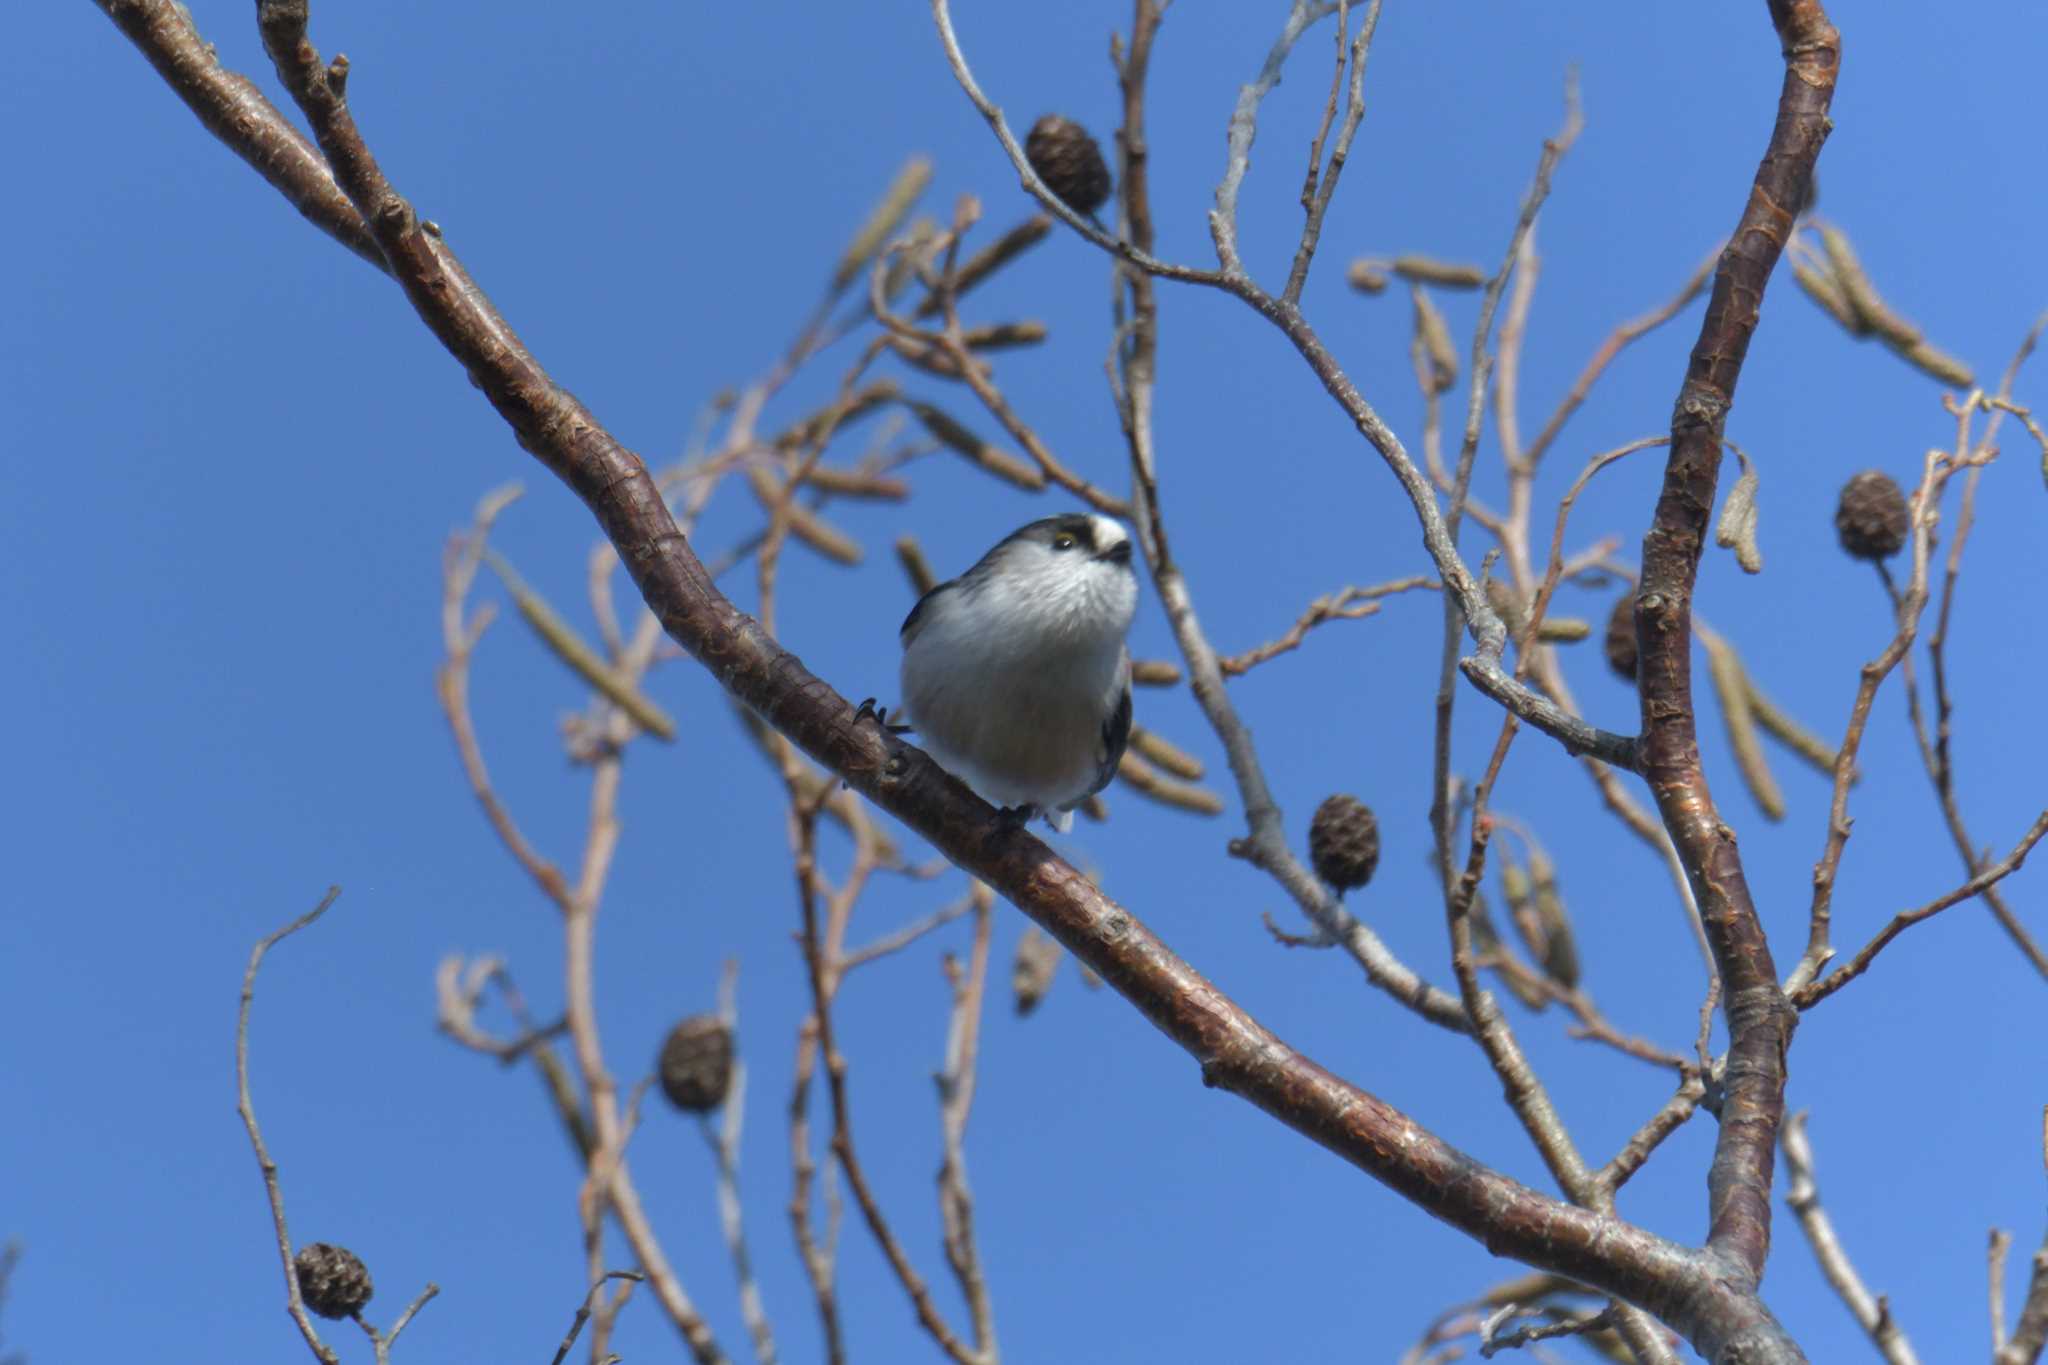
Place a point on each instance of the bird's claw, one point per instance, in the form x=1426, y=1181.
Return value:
x=1016, y=817
x=867, y=710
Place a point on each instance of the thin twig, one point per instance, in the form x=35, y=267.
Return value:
x=1348, y=604
x=583, y=1310
x=1908, y=607
x=1617, y=341
x=956, y=1083
x=1811, y=994
x=804, y=833
x=898, y=939
x=725, y=1151
x=1872, y=1313
x=246, y=1107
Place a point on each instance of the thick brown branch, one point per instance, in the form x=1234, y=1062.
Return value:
x=1759, y=1018
x=236, y=112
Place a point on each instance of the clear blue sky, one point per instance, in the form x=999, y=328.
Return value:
x=234, y=457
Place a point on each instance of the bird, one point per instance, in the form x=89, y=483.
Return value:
x=1015, y=675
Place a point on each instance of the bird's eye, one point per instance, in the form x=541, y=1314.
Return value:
x=1063, y=542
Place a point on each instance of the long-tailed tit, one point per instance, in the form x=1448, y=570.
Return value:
x=1015, y=674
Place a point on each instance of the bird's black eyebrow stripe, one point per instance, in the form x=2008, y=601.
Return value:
x=1075, y=524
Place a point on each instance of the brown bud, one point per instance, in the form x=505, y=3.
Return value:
x=332, y=1280
x=696, y=1064
x=1038, y=957
x=1871, y=517
x=1621, y=638
x=1069, y=163
x=1344, y=842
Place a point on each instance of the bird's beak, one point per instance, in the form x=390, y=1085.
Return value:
x=1119, y=553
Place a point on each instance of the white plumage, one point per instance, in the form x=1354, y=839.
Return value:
x=1015, y=674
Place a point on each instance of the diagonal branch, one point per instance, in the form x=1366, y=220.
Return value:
x=236, y=112
x=1759, y=1018
x=1802, y=1194
x=1990, y=875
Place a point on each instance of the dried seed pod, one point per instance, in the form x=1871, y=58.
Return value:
x=1507, y=604
x=1520, y=894
x=1563, y=630
x=1434, y=336
x=1135, y=772
x=895, y=206
x=1344, y=842
x=696, y=1064
x=332, y=1280
x=1621, y=638
x=1069, y=163
x=1736, y=530
x=1871, y=519
x=1367, y=276
x=1732, y=688
x=1168, y=755
x=1561, y=952
x=1038, y=957
x=562, y=640
x=1486, y=944
x=911, y=556
x=957, y=438
x=1429, y=270
x=992, y=258
x=1155, y=673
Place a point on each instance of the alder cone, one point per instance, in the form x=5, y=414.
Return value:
x=696, y=1064
x=1344, y=842
x=1069, y=163
x=1872, y=519
x=333, y=1280
x=1620, y=644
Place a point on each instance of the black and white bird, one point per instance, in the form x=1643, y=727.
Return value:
x=1015, y=675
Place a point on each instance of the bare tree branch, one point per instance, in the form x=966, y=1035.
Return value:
x=1807, y=996
x=1802, y=1194
x=246, y=1107
x=1760, y=1020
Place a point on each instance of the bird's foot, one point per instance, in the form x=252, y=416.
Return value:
x=880, y=715
x=1016, y=817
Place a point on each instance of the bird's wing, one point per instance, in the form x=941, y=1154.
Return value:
x=1116, y=734
x=915, y=621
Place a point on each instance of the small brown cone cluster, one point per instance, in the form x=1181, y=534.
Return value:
x=333, y=1282
x=1344, y=842
x=1872, y=518
x=696, y=1064
x=1069, y=163
x=1621, y=638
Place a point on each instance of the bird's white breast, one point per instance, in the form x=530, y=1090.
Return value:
x=1009, y=686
